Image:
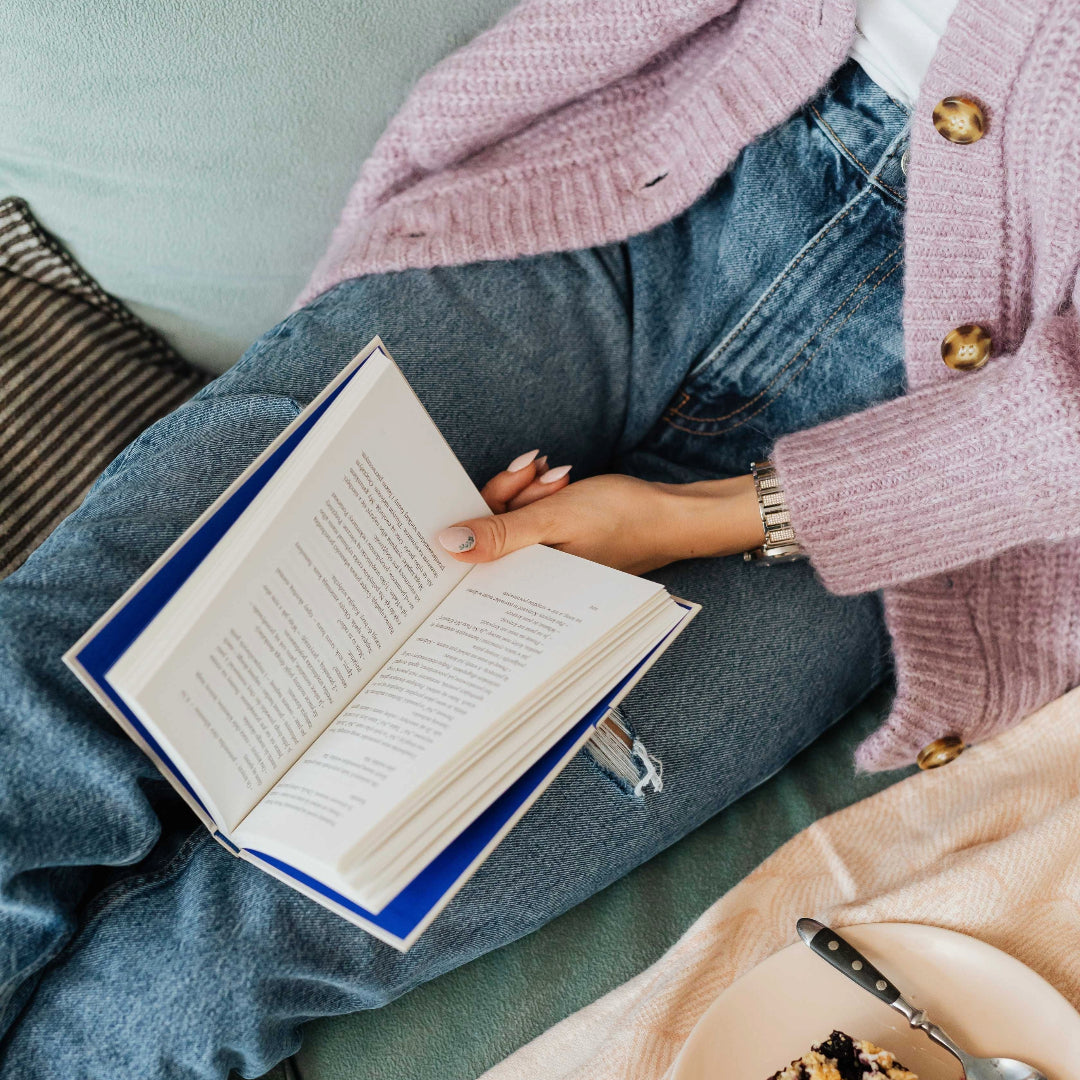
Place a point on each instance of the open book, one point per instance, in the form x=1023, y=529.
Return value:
x=342, y=703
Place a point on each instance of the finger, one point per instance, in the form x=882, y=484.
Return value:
x=483, y=539
x=514, y=479
x=551, y=481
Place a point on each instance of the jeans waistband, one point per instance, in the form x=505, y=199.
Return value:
x=867, y=126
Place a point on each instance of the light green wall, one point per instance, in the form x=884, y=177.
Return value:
x=194, y=154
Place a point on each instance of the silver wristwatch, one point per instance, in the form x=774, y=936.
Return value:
x=780, y=544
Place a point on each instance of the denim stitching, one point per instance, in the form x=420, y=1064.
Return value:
x=121, y=890
x=675, y=410
x=724, y=345
x=843, y=146
x=905, y=109
x=798, y=371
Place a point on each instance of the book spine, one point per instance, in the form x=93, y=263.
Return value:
x=225, y=842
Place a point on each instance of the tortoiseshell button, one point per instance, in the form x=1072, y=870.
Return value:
x=940, y=752
x=960, y=120
x=966, y=348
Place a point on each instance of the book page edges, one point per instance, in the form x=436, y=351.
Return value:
x=403, y=944
x=325, y=896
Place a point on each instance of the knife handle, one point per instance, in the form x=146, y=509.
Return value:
x=830, y=946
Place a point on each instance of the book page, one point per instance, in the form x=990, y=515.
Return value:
x=334, y=568
x=384, y=864
x=505, y=633
x=430, y=888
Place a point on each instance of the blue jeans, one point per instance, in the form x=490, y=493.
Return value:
x=131, y=944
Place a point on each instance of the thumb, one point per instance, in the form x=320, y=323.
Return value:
x=483, y=539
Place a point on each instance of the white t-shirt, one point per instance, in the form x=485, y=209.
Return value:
x=895, y=41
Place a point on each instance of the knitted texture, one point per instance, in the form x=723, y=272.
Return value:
x=989, y=847
x=573, y=123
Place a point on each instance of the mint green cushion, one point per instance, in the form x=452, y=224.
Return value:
x=463, y=1023
x=194, y=156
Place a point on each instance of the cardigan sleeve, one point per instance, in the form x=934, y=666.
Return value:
x=945, y=476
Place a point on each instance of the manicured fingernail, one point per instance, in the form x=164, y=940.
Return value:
x=458, y=538
x=555, y=474
x=519, y=463
x=541, y=464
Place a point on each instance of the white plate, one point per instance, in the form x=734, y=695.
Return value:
x=988, y=1001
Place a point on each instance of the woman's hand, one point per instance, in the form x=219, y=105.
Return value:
x=631, y=524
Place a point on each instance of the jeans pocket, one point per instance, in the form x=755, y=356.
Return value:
x=829, y=322
x=825, y=339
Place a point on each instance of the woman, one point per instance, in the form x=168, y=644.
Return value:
x=659, y=243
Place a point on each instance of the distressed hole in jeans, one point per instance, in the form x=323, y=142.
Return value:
x=621, y=755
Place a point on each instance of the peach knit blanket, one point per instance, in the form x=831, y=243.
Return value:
x=967, y=847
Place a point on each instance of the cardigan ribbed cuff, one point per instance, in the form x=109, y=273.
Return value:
x=940, y=690
x=945, y=476
x=956, y=636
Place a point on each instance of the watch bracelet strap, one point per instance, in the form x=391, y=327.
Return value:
x=780, y=544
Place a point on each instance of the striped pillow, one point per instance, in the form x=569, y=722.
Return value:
x=80, y=377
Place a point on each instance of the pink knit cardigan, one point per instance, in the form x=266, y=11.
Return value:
x=961, y=499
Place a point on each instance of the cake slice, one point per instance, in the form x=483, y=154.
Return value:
x=840, y=1057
